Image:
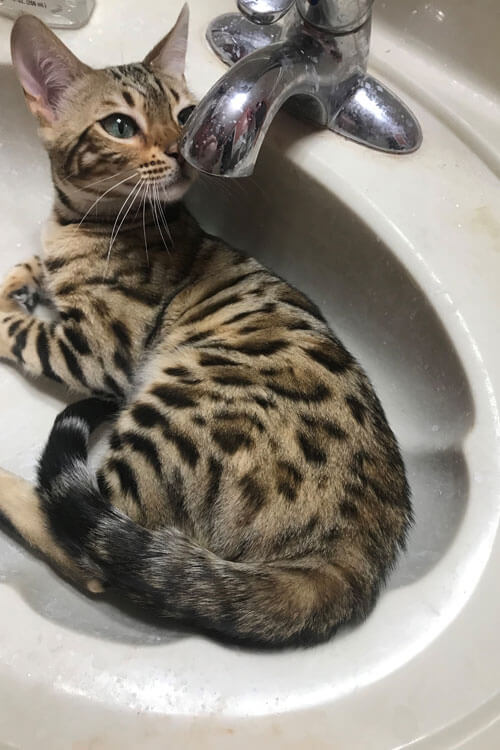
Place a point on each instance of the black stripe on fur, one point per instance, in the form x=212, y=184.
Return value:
x=68, y=440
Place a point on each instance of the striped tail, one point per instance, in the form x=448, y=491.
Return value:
x=301, y=601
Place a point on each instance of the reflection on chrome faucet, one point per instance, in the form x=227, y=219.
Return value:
x=313, y=51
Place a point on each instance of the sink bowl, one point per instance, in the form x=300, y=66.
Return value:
x=402, y=257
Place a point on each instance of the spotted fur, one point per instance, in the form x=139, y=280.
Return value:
x=252, y=485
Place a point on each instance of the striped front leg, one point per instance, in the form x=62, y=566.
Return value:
x=89, y=348
x=60, y=351
x=40, y=348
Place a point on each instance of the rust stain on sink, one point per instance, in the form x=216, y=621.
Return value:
x=485, y=220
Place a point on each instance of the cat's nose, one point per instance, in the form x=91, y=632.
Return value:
x=173, y=152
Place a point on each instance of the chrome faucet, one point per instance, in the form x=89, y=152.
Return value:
x=311, y=52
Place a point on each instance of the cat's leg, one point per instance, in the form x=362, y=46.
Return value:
x=25, y=339
x=23, y=285
x=80, y=350
x=35, y=513
x=39, y=347
x=20, y=506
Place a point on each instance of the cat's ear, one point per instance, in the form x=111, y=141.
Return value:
x=169, y=55
x=44, y=65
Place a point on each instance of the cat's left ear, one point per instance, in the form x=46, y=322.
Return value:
x=169, y=55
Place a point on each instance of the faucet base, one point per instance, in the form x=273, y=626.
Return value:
x=377, y=118
x=370, y=114
x=233, y=36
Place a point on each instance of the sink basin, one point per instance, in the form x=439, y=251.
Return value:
x=402, y=255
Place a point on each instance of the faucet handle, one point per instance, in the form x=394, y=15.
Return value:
x=264, y=11
x=335, y=16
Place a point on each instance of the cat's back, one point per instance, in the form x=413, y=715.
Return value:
x=278, y=412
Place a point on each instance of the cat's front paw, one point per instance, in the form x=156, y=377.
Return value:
x=5, y=342
x=21, y=287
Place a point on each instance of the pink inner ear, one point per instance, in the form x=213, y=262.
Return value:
x=44, y=65
x=29, y=82
x=56, y=78
x=44, y=78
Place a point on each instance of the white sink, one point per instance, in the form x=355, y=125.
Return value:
x=403, y=255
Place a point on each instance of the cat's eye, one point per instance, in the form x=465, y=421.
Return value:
x=120, y=126
x=185, y=114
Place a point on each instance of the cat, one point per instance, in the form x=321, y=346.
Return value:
x=252, y=486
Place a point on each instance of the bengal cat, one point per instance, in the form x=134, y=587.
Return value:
x=252, y=486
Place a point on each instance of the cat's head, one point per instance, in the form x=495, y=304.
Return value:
x=102, y=127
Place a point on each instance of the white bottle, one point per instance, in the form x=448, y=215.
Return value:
x=61, y=14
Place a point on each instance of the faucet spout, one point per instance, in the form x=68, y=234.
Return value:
x=318, y=55
x=226, y=130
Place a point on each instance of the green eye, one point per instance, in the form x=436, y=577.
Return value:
x=120, y=126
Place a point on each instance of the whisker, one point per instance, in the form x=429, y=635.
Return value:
x=144, y=224
x=161, y=204
x=158, y=217
x=108, y=256
x=100, y=199
x=114, y=234
x=155, y=216
x=140, y=202
x=132, y=194
x=103, y=179
x=162, y=214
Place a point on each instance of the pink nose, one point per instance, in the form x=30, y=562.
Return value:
x=174, y=154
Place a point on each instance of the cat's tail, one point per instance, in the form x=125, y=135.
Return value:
x=298, y=601
x=32, y=513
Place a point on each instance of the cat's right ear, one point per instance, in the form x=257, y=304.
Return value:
x=44, y=65
x=169, y=55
